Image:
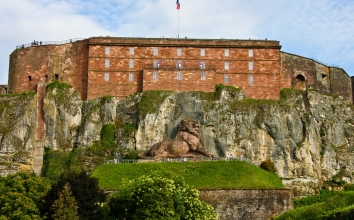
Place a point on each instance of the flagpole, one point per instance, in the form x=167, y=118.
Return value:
x=178, y=23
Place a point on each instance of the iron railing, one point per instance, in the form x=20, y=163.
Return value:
x=41, y=43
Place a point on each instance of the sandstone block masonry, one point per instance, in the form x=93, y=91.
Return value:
x=119, y=67
x=248, y=204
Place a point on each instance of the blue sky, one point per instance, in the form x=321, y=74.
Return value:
x=319, y=29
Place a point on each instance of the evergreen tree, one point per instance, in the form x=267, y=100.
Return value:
x=65, y=208
x=84, y=189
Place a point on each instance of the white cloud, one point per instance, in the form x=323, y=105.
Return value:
x=320, y=29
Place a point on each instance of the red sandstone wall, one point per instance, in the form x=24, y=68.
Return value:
x=265, y=60
x=316, y=74
x=340, y=83
x=36, y=64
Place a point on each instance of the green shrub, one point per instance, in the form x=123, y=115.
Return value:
x=158, y=198
x=268, y=165
x=57, y=85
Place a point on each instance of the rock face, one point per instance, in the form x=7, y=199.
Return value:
x=308, y=136
x=187, y=143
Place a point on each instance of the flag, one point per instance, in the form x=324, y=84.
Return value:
x=178, y=5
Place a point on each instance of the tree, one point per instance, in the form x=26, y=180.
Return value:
x=84, y=189
x=65, y=208
x=19, y=195
x=158, y=198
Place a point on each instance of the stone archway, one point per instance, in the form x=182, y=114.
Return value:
x=300, y=83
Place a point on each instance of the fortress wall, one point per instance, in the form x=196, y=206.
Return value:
x=46, y=63
x=265, y=73
x=167, y=80
x=316, y=74
x=248, y=204
x=340, y=83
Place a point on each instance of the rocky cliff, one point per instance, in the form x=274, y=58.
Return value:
x=308, y=136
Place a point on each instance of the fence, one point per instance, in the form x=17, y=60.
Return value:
x=40, y=43
x=183, y=159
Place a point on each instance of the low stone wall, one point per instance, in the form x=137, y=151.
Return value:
x=248, y=204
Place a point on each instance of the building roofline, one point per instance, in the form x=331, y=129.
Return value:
x=190, y=42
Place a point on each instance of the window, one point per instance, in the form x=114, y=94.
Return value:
x=155, y=75
x=106, y=63
x=56, y=76
x=250, y=53
x=227, y=52
x=108, y=50
x=227, y=79
x=250, y=79
x=179, y=51
x=131, y=77
x=106, y=77
x=203, y=76
x=202, y=65
x=250, y=65
x=156, y=51
x=131, y=63
x=29, y=78
x=202, y=52
x=46, y=78
x=131, y=51
x=179, y=75
x=227, y=65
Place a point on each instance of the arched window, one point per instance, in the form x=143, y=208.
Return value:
x=300, y=83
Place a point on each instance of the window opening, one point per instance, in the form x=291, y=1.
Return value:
x=131, y=51
x=227, y=52
x=250, y=65
x=131, y=77
x=56, y=77
x=250, y=79
x=203, y=76
x=250, y=53
x=155, y=75
x=156, y=51
x=107, y=63
x=131, y=63
x=227, y=79
x=202, y=52
x=179, y=75
x=106, y=77
x=227, y=65
x=179, y=51
x=29, y=78
x=108, y=50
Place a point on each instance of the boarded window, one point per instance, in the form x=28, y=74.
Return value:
x=202, y=52
x=203, y=76
x=227, y=78
x=106, y=77
x=227, y=52
x=108, y=50
x=155, y=75
x=107, y=63
x=179, y=51
x=131, y=63
x=250, y=65
x=179, y=75
x=131, y=77
x=156, y=51
x=227, y=65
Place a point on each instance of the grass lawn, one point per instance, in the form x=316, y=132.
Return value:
x=201, y=175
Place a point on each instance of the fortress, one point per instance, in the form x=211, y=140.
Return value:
x=119, y=67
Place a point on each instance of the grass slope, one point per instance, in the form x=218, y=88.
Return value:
x=201, y=175
x=326, y=206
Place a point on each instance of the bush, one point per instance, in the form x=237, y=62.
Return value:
x=158, y=198
x=268, y=165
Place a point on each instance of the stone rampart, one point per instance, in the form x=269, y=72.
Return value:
x=252, y=204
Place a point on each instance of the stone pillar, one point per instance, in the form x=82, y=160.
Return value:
x=38, y=157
